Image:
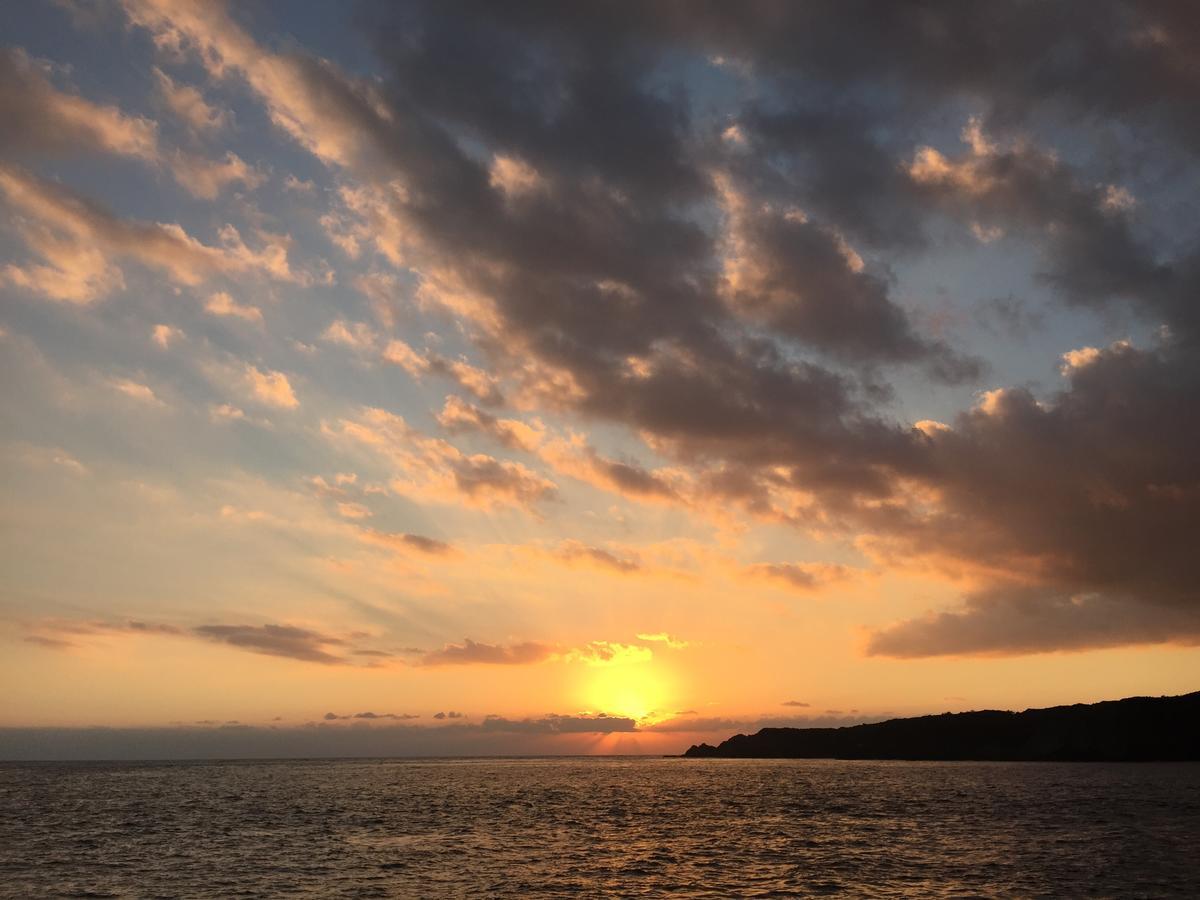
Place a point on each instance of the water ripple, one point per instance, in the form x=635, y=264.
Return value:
x=631, y=828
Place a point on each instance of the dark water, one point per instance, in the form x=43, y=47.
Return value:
x=632, y=827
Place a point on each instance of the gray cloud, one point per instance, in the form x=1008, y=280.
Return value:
x=729, y=295
x=1092, y=498
x=276, y=640
x=1004, y=622
x=470, y=652
x=1062, y=491
x=40, y=119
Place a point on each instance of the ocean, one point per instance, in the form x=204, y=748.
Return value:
x=635, y=827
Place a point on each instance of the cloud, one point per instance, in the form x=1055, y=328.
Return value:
x=371, y=716
x=189, y=105
x=271, y=388
x=1023, y=620
x=1078, y=510
x=354, y=511
x=319, y=108
x=207, y=178
x=564, y=294
x=480, y=384
x=675, y=643
x=458, y=416
x=574, y=551
x=802, y=576
x=606, y=653
x=42, y=457
x=286, y=641
x=471, y=653
x=51, y=643
x=404, y=541
x=40, y=119
x=137, y=391
x=65, y=634
x=355, y=335
x=615, y=255
x=222, y=304
x=433, y=469
x=165, y=335
x=75, y=238
x=804, y=280
x=226, y=412
x=795, y=703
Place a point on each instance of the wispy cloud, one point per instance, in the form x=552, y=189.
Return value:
x=470, y=652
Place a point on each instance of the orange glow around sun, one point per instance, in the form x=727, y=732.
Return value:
x=639, y=691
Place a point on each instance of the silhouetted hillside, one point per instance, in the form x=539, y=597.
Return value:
x=1135, y=729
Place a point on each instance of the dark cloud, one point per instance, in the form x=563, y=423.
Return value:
x=1091, y=500
x=276, y=640
x=471, y=653
x=1091, y=492
x=1092, y=252
x=584, y=279
x=1022, y=620
x=795, y=703
x=725, y=289
x=803, y=279
x=449, y=715
x=830, y=159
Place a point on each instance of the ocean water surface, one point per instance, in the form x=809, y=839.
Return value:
x=599, y=826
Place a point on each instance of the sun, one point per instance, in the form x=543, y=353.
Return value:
x=636, y=691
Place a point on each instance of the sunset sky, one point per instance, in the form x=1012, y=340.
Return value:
x=530, y=377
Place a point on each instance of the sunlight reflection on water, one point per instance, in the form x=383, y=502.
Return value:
x=558, y=827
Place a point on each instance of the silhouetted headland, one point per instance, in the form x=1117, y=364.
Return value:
x=1138, y=729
